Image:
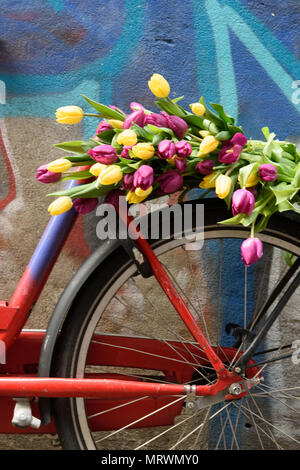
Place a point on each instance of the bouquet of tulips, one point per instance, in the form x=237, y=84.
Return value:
x=144, y=155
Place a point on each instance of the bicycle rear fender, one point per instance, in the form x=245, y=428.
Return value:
x=60, y=312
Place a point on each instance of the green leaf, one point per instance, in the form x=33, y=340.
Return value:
x=175, y=100
x=222, y=113
x=283, y=193
x=105, y=111
x=75, y=146
x=74, y=191
x=106, y=136
x=296, y=180
x=266, y=132
x=77, y=175
x=212, y=116
x=170, y=107
x=287, y=206
x=233, y=220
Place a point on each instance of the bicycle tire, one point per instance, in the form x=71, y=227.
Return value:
x=103, y=286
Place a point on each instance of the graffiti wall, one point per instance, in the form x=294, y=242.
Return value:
x=243, y=54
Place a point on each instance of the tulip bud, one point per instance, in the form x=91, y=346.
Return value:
x=243, y=202
x=180, y=163
x=223, y=186
x=134, y=106
x=267, y=172
x=127, y=137
x=176, y=124
x=112, y=197
x=183, y=149
x=137, y=117
x=252, y=180
x=159, y=86
x=251, y=250
x=205, y=167
x=85, y=205
x=125, y=151
x=198, y=109
x=209, y=181
x=102, y=127
x=97, y=168
x=60, y=205
x=143, y=150
x=170, y=181
x=157, y=120
x=110, y=175
x=127, y=182
x=116, y=123
x=143, y=177
x=208, y=144
x=45, y=176
x=69, y=114
x=166, y=149
x=138, y=195
x=105, y=154
x=239, y=139
x=59, y=166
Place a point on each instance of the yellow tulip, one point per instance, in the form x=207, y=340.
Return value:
x=159, y=86
x=127, y=137
x=252, y=180
x=97, y=168
x=208, y=144
x=60, y=205
x=208, y=181
x=116, y=124
x=110, y=175
x=198, y=109
x=137, y=196
x=223, y=186
x=204, y=133
x=59, y=166
x=143, y=150
x=69, y=114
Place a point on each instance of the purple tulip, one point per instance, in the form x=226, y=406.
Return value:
x=166, y=149
x=113, y=197
x=103, y=126
x=143, y=177
x=134, y=106
x=205, y=167
x=180, y=164
x=156, y=120
x=251, y=250
x=243, y=202
x=176, y=124
x=170, y=181
x=105, y=154
x=127, y=182
x=267, y=172
x=232, y=149
x=125, y=151
x=183, y=149
x=137, y=117
x=85, y=205
x=45, y=176
x=239, y=139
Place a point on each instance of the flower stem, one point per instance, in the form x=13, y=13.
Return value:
x=194, y=137
x=94, y=115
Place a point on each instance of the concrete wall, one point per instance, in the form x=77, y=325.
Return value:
x=244, y=54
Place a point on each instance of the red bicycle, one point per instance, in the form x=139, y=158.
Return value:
x=156, y=346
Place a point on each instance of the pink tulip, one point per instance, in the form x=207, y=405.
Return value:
x=267, y=172
x=166, y=149
x=243, y=201
x=143, y=177
x=45, y=176
x=251, y=250
x=105, y=154
x=170, y=181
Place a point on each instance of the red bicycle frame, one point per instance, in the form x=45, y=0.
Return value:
x=13, y=317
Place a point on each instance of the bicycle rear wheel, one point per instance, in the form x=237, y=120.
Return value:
x=122, y=326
